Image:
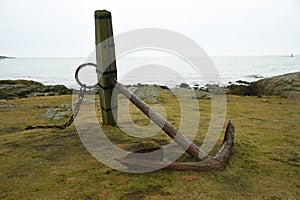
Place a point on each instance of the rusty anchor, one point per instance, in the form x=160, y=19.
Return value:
x=203, y=162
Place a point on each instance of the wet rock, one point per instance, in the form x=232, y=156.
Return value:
x=243, y=82
x=184, y=85
x=163, y=87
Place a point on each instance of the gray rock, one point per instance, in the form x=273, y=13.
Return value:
x=132, y=88
x=39, y=94
x=147, y=92
x=66, y=106
x=291, y=95
x=164, y=87
x=60, y=89
x=90, y=100
x=287, y=86
x=62, y=115
x=56, y=113
x=202, y=94
x=277, y=84
x=216, y=90
x=184, y=85
x=7, y=107
x=49, y=113
x=51, y=94
x=58, y=118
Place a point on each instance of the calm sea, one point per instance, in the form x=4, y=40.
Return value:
x=163, y=71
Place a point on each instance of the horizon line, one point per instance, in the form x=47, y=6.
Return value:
x=216, y=55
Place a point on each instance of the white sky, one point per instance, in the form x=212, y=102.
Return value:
x=63, y=28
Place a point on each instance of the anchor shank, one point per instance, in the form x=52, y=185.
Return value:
x=190, y=148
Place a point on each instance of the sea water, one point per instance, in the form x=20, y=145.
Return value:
x=167, y=71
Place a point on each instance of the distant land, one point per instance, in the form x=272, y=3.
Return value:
x=4, y=57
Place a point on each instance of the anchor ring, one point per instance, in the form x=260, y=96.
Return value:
x=77, y=79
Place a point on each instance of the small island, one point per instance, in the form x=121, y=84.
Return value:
x=6, y=57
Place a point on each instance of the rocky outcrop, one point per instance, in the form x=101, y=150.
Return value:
x=241, y=90
x=151, y=93
x=287, y=85
x=15, y=89
x=146, y=92
x=184, y=85
x=57, y=114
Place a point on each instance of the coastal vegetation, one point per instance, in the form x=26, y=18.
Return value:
x=54, y=164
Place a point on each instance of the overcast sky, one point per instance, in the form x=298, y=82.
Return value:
x=63, y=28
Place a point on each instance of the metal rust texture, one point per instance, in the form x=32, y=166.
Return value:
x=217, y=162
x=204, y=161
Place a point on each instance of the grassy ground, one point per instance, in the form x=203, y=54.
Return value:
x=53, y=164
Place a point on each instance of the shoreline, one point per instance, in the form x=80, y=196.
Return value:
x=286, y=85
x=229, y=70
x=181, y=85
x=7, y=57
